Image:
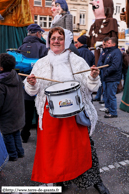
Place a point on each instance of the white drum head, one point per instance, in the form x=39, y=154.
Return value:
x=62, y=87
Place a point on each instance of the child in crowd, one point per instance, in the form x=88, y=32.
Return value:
x=11, y=106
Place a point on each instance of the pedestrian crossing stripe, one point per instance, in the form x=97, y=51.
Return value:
x=113, y=166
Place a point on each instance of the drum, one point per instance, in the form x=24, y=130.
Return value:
x=64, y=99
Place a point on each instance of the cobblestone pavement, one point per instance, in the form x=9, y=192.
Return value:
x=111, y=140
x=121, y=122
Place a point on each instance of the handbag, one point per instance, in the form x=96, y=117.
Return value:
x=83, y=119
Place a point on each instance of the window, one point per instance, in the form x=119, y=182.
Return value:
x=74, y=22
x=38, y=2
x=82, y=19
x=48, y=3
x=50, y=20
x=36, y=19
x=43, y=21
x=117, y=9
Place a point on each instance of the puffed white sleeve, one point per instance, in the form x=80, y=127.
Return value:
x=93, y=84
x=31, y=90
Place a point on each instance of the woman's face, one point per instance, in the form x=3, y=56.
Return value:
x=54, y=9
x=58, y=7
x=57, y=43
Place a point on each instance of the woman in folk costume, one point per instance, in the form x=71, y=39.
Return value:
x=63, y=19
x=105, y=25
x=3, y=153
x=15, y=16
x=64, y=153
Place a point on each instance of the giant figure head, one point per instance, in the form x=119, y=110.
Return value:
x=54, y=9
x=102, y=8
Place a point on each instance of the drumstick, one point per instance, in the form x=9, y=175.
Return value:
x=41, y=78
x=90, y=69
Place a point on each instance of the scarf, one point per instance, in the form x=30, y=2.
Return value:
x=60, y=65
x=56, y=18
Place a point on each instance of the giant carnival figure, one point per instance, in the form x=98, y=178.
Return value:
x=124, y=15
x=105, y=25
x=127, y=13
x=124, y=105
x=15, y=15
x=63, y=18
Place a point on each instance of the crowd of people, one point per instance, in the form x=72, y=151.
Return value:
x=62, y=143
x=120, y=62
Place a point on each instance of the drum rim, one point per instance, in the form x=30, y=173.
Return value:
x=54, y=93
x=68, y=114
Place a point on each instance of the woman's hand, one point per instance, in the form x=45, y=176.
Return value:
x=94, y=71
x=31, y=79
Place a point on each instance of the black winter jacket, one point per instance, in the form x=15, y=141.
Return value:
x=12, y=114
x=33, y=47
x=87, y=55
x=114, y=60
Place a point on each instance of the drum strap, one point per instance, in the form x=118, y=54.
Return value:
x=70, y=65
x=82, y=118
x=73, y=74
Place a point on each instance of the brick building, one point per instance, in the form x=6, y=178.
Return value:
x=41, y=12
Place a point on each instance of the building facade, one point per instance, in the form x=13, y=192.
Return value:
x=81, y=10
x=41, y=12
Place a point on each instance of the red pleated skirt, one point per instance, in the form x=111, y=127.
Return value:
x=63, y=150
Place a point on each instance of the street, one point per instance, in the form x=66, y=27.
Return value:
x=111, y=139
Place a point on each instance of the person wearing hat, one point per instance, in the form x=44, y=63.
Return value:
x=32, y=47
x=63, y=19
x=64, y=155
x=84, y=52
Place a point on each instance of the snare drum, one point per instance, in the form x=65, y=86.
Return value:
x=64, y=99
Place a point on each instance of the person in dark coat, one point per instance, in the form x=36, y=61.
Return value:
x=112, y=76
x=125, y=64
x=84, y=52
x=101, y=89
x=32, y=47
x=12, y=113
